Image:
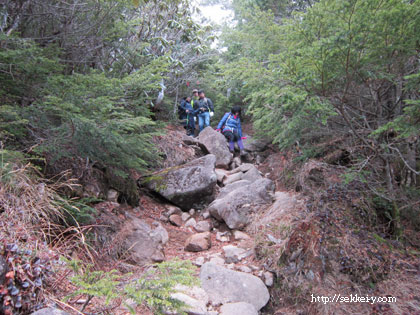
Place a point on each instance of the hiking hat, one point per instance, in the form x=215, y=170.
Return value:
x=195, y=91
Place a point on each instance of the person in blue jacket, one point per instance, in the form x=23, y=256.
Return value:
x=190, y=114
x=230, y=126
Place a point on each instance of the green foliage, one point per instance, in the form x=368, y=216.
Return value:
x=8, y=160
x=93, y=283
x=154, y=288
x=76, y=212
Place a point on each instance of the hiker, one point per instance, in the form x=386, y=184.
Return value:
x=190, y=114
x=230, y=126
x=204, y=109
x=181, y=109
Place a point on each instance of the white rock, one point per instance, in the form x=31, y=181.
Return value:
x=199, y=261
x=268, y=278
x=191, y=212
x=239, y=236
x=205, y=215
x=191, y=222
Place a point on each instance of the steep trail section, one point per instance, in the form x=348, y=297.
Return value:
x=209, y=233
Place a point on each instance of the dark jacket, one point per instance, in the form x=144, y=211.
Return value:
x=230, y=123
x=205, y=103
x=187, y=106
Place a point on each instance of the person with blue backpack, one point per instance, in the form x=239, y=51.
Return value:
x=230, y=126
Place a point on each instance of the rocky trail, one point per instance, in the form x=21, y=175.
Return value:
x=208, y=210
x=232, y=218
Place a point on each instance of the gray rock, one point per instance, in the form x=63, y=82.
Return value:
x=203, y=226
x=160, y=233
x=175, y=219
x=236, y=207
x=241, y=308
x=245, y=269
x=50, y=311
x=191, y=222
x=173, y=210
x=216, y=144
x=268, y=278
x=234, y=254
x=231, y=187
x=222, y=237
x=140, y=244
x=236, y=162
x=205, y=215
x=185, y=216
x=228, y=286
x=239, y=236
x=188, y=186
x=252, y=175
x=192, y=306
x=242, y=168
x=195, y=298
x=199, y=261
x=112, y=195
x=232, y=178
x=191, y=212
x=255, y=145
x=198, y=242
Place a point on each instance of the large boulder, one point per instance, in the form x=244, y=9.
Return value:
x=188, y=186
x=216, y=144
x=227, y=286
x=139, y=244
x=236, y=207
x=255, y=144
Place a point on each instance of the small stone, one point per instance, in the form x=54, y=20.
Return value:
x=159, y=233
x=199, y=261
x=191, y=222
x=191, y=212
x=205, y=215
x=245, y=269
x=198, y=242
x=254, y=268
x=220, y=236
x=310, y=275
x=234, y=254
x=175, y=219
x=173, y=210
x=163, y=219
x=203, y=226
x=239, y=236
x=268, y=278
x=185, y=216
x=112, y=195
